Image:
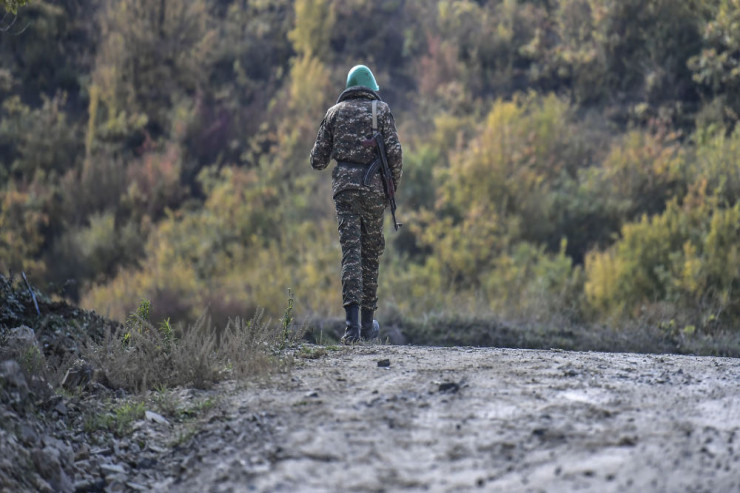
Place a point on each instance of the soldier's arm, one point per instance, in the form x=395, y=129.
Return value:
x=321, y=152
x=392, y=147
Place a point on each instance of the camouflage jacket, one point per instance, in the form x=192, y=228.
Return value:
x=340, y=137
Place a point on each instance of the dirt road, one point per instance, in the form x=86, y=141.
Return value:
x=461, y=419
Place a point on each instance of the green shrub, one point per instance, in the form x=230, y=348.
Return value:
x=686, y=257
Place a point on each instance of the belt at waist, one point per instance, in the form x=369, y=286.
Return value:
x=351, y=164
x=371, y=168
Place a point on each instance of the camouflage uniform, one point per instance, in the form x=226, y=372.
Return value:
x=359, y=208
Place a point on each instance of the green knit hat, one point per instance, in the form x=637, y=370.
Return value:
x=360, y=75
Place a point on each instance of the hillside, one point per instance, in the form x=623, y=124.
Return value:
x=566, y=162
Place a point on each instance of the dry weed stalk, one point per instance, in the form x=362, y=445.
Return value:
x=140, y=356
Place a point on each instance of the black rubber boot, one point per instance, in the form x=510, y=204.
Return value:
x=370, y=328
x=352, y=331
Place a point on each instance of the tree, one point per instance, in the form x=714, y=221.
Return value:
x=12, y=6
x=716, y=67
x=153, y=55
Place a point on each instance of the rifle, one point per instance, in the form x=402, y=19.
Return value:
x=385, y=171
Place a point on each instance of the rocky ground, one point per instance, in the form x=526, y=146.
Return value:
x=390, y=418
x=91, y=439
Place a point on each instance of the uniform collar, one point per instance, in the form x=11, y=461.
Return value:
x=358, y=92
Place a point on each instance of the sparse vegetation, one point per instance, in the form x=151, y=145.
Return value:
x=183, y=436
x=142, y=356
x=170, y=404
x=104, y=401
x=116, y=418
x=287, y=321
x=310, y=352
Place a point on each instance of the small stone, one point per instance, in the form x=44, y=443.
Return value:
x=41, y=485
x=137, y=486
x=384, y=363
x=48, y=465
x=12, y=379
x=61, y=408
x=156, y=449
x=28, y=435
x=20, y=338
x=627, y=441
x=112, y=469
x=157, y=418
x=84, y=465
x=116, y=483
x=146, y=463
x=89, y=484
x=311, y=394
x=449, y=387
x=101, y=451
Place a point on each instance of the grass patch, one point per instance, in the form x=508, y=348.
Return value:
x=168, y=404
x=312, y=352
x=140, y=356
x=137, y=355
x=118, y=420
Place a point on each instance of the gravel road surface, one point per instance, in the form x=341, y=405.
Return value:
x=401, y=418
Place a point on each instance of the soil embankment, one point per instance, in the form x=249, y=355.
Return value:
x=456, y=419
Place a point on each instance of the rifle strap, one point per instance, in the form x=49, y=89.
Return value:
x=375, y=115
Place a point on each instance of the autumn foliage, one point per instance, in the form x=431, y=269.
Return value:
x=566, y=161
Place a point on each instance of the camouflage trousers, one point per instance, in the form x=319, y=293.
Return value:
x=360, y=218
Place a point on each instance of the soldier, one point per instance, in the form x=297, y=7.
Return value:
x=359, y=193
